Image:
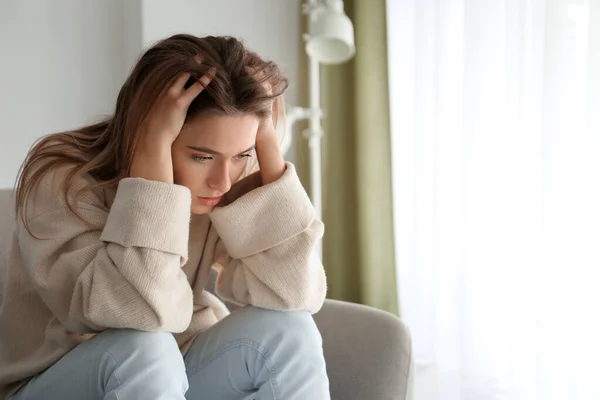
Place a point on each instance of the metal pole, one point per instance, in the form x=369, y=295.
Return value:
x=315, y=132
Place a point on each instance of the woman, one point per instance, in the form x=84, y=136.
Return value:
x=120, y=223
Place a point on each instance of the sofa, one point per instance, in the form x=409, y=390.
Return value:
x=368, y=352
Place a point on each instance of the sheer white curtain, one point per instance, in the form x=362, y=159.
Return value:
x=496, y=150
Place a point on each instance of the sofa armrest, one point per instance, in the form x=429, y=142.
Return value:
x=368, y=352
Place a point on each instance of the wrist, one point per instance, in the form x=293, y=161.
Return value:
x=270, y=160
x=154, y=144
x=152, y=160
x=268, y=138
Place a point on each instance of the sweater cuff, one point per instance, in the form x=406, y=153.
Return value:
x=242, y=187
x=150, y=214
x=264, y=217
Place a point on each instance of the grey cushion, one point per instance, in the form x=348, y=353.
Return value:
x=368, y=352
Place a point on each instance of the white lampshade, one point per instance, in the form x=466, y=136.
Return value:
x=331, y=34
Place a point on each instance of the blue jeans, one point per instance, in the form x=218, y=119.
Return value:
x=251, y=354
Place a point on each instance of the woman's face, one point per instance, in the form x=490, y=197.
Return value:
x=210, y=155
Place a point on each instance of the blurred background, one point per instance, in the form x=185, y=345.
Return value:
x=459, y=168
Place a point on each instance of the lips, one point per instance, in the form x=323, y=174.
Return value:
x=210, y=201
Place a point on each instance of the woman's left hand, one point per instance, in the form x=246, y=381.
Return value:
x=268, y=151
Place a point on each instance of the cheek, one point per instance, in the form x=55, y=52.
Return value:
x=187, y=172
x=236, y=172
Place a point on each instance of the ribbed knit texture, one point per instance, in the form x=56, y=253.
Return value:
x=147, y=264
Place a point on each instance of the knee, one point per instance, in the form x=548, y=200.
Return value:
x=297, y=328
x=127, y=357
x=144, y=347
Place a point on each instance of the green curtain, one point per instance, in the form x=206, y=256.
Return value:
x=358, y=246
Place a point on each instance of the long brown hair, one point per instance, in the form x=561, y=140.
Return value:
x=105, y=150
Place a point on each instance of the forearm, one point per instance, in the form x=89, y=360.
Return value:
x=126, y=275
x=152, y=161
x=270, y=159
x=269, y=254
x=268, y=280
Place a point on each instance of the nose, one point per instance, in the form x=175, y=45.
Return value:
x=219, y=178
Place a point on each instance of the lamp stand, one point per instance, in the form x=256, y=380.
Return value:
x=313, y=134
x=330, y=41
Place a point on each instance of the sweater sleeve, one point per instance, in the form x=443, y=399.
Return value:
x=122, y=269
x=266, y=248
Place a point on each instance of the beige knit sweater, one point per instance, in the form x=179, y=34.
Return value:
x=146, y=265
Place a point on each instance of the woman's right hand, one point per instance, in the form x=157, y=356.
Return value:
x=166, y=118
x=152, y=156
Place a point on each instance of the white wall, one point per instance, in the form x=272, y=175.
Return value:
x=60, y=67
x=63, y=62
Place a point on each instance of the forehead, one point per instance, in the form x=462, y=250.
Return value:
x=223, y=133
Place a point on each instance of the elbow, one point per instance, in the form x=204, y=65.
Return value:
x=314, y=299
x=301, y=297
x=166, y=313
x=309, y=296
x=311, y=301
x=170, y=316
x=178, y=318
x=315, y=292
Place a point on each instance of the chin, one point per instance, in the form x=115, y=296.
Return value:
x=199, y=210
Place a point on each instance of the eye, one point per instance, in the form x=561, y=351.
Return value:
x=242, y=156
x=201, y=158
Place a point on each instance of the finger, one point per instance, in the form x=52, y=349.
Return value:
x=259, y=76
x=193, y=91
x=180, y=81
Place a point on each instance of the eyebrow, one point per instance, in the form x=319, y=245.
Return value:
x=216, y=153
